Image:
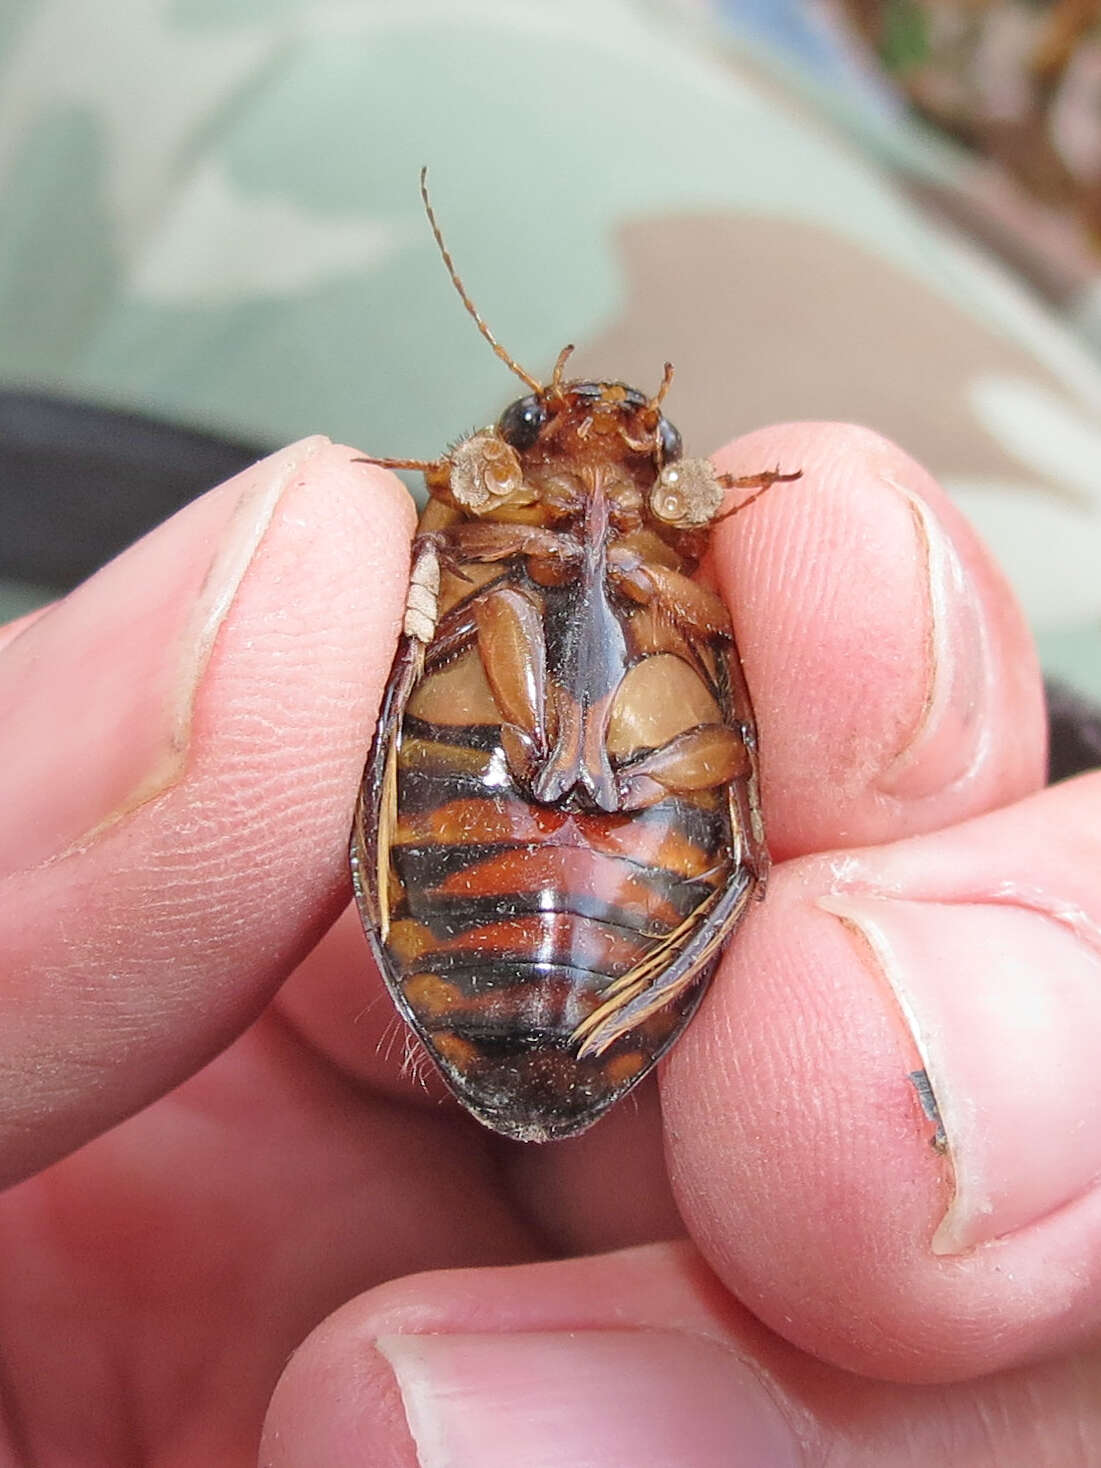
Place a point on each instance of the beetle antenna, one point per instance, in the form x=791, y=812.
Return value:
x=559, y=367
x=666, y=382
x=509, y=362
x=424, y=465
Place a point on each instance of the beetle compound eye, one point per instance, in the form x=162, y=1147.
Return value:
x=687, y=494
x=669, y=441
x=521, y=422
x=484, y=474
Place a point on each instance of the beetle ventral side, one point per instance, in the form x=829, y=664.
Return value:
x=559, y=825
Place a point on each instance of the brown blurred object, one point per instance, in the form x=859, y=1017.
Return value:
x=1018, y=83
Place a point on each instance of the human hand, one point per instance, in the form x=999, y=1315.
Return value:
x=182, y=740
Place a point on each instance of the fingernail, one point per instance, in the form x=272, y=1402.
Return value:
x=947, y=738
x=1003, y=999
x=614, y=1398
x=97, y=695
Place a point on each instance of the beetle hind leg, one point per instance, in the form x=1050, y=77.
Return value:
x=699, y=759
x=513, y=649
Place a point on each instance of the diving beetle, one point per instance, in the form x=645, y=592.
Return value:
x=559, y=825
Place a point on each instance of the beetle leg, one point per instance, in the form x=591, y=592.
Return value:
x=454, y=635
x=459, y=625
x=491, y=541
x=755, y=855
x=691, y=606
x=747, y=795
x=371, y=871
x=451, y=632
x=760, y=482
x=422, y=599
x=644, y=990
x=513, y=649
x=426, y=466
x=698, y=759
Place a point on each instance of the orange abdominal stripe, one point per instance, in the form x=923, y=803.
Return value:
x=653, y=840
x=552, y=938
x=559, y=870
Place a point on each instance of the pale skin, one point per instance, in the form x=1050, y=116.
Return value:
x=238, y=1228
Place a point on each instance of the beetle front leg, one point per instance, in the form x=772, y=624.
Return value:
x=756, y=854
x=422, y=598
x=760, y=482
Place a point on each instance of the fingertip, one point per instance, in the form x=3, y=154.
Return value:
x=797, y=1148
x=502, y=1367
x=627, y=1358
x=894, y=680
x=881, y=1126
x=337, y=1403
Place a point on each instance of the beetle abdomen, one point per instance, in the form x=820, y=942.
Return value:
x=510, y=920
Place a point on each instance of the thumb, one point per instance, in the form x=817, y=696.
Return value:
x=180, y=744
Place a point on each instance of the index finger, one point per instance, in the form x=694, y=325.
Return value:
x=893, y=677
x=896, y=692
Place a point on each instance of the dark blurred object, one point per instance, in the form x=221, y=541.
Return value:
x=78, y=483
x=1075, y=732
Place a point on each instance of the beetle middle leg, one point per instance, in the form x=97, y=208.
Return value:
x=691, y=606
x=746, y=796
x=485, y=541
x=488, y=544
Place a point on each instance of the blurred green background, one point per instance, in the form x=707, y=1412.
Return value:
x=209, y=214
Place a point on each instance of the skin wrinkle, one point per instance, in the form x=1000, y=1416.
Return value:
x=1006, y=1409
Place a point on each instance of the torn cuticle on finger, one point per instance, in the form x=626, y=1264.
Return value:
x=922, y=1085
x=951, y=733
x=846, y=907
